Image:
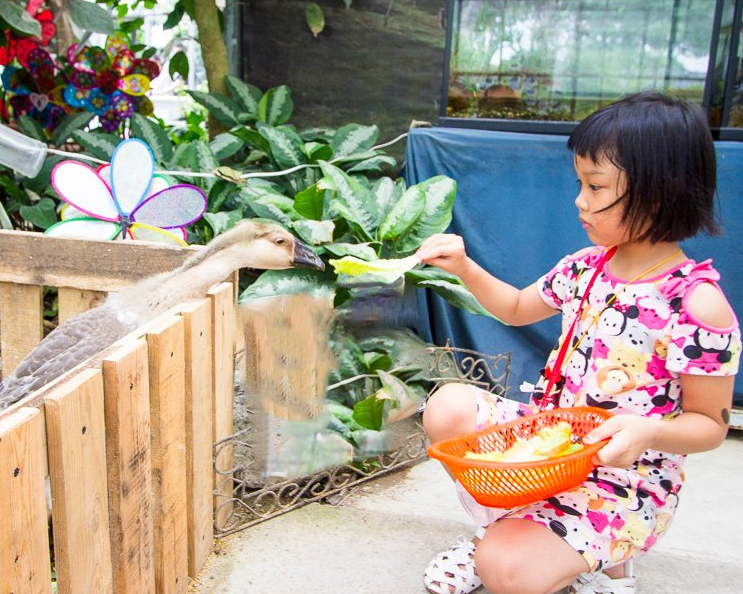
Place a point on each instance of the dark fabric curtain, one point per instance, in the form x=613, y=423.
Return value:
x=515, y=211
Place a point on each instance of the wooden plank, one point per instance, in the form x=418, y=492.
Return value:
x=21, y=321
x=72, y=302
x=165, y=344
x=197, y=317
x=24, y=536
x=77, y=468
x=223, y=321
x=129, y=461
x=91, y=264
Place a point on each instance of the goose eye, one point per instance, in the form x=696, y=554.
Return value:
x=280, y=241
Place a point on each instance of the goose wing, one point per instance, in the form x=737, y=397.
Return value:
x=68, y=345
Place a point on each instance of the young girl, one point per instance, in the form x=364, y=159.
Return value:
x=655, y=342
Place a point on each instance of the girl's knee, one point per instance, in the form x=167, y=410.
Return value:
x=450, y=411
x=502, y=571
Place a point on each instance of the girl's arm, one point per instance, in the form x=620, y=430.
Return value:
x=706, y=403
x=513, y=306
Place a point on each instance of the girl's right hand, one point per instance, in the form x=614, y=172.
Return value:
x=446, y=251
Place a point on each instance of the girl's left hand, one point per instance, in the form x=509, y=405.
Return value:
x=629, y=436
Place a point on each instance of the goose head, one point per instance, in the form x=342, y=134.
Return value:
x=265, y=246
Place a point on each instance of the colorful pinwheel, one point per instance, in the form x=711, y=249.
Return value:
x=124, y=199
x=19, y=47
x=110, y=83
x=36, y=90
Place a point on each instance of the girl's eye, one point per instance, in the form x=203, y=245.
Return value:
x=594, y=187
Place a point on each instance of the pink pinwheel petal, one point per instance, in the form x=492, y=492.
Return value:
x=80, y=185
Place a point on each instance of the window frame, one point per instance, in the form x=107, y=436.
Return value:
x=723, y=132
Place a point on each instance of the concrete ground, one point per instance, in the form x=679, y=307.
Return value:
x=381, y=537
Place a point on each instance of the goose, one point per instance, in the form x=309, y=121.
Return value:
x=249, y=244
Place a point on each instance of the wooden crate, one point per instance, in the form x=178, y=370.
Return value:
x=126, y=438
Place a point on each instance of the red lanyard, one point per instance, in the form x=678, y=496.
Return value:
x=553, y=375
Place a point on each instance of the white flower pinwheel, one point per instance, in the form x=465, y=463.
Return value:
x=124, y=199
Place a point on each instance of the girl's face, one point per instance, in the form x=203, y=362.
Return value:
x=601, y=184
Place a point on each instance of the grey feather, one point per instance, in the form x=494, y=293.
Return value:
x=248, y=245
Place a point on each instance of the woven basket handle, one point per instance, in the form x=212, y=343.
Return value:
x=555, y=374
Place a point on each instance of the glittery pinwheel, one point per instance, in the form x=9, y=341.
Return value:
x=19, y=47
x=110, y=82
x=124, y=199
x=36, y=90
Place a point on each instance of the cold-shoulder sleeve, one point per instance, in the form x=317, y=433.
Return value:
x=696, y=348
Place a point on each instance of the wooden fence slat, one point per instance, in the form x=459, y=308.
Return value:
x=129, y=461
x=25, y=567
x=21, y=322
x=77, y=468
x=91, y=264
x=165, y=344
x=223, y=316
x=72, y=302
x=197, y=316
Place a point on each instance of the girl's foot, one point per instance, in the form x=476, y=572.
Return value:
x=453, y=571
x=600, y=583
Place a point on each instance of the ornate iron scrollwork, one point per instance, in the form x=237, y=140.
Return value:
x=250, y=502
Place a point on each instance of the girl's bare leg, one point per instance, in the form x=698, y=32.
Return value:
x=450, y=411
x=522, y=557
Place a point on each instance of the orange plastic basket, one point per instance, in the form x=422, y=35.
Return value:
x=510, y=484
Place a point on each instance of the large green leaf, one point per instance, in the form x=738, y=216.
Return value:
x=31, y=127
x=15, y=14
x=310, y=202
x=285, y=144
x=370, y=412
x=251, y=137
x=273, y=283
x=204, y=161
x=375, y=163
x=98, y=144
x=91, y=17
x=276, y=106
x=225, y=145
x=359, y=250
x=360, y=203
x=439, y=193
x=386, y=193
x=403, y=215
x=179, y=65
x=157, y=138
x=449, y=287
x=314, y=232
x=221, y=107
x=338, y=209
x=70, y=123
x=222, y=221
x=247, y=96
x=354, y=138
x=43, y=214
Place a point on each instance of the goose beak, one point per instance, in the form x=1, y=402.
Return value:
x=304, y=257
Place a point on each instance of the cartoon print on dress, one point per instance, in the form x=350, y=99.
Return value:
x=574, y=373
x=621, y=550
x=709, y=351
x=622, y=370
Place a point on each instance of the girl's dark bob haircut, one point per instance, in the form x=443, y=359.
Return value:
x=664, y=148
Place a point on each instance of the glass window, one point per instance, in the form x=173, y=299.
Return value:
x=559, y=60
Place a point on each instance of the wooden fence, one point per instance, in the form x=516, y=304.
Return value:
x=126, y=438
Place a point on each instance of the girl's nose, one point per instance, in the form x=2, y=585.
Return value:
x=580, y=202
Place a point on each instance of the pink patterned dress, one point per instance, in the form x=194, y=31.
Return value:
x=629, y=362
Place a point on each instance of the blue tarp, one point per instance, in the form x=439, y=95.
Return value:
x=515, y=211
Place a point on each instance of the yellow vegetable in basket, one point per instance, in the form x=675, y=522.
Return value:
x=548, y=442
